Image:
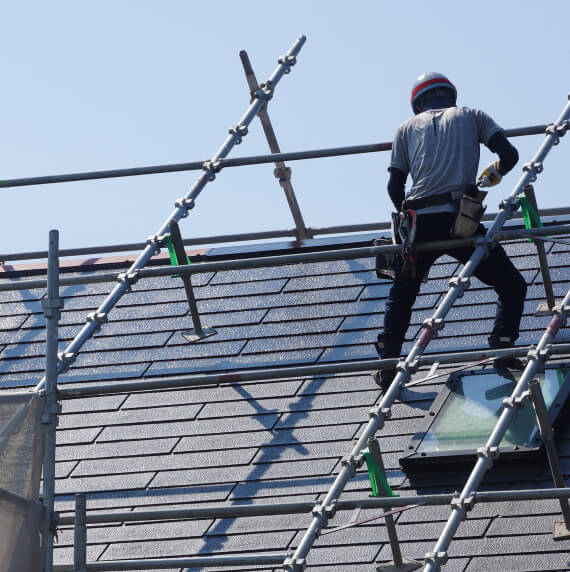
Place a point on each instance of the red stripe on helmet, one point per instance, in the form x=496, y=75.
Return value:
x=428, y=83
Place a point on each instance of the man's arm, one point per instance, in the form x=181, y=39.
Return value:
x=508, y=155
x=396, y=186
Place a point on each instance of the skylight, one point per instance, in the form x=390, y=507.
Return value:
x=465, y=412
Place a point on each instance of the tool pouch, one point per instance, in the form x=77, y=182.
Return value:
x=469, y=214
x=385, y=263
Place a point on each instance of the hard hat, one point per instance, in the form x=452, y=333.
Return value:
x=427, y=82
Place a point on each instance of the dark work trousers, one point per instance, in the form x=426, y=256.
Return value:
x=496, y=270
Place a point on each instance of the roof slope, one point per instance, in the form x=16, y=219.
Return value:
x=271, y=440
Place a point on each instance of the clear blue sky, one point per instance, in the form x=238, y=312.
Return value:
x=112, y=84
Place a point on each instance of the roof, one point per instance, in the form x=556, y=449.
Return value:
x=269, y=440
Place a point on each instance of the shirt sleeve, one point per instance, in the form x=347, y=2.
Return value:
x=486, y=126
x=399, y=159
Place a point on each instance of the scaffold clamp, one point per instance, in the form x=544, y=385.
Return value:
x=326, y=512
x=264, y=92
x=541, y=355
x=184, y=204
x=52, y=307
x=459, y=282
x=534, y=169
x=466, y=503
x=211, y=168
x=98, y=318
x=239, y=131
x=66, y=359
x=288, y=62
x=351, y=462
x=282, y=173
x=294, y=564
x=517, y=402
x=434, y=324
x=437, y=558
x=128, y=278
x=558, y=131
x=489, y=453
x=375, y=414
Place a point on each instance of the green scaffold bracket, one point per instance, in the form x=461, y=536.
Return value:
x=172, y=254
x=380, y=486
x=530, y=216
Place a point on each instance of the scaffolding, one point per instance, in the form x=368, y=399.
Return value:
x=526, y=388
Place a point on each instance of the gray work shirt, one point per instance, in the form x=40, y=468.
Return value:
x=440, y=149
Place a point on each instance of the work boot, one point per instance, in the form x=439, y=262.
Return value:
x=384, y=377
x=503, y=342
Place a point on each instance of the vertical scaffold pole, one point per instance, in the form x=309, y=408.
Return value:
x=80, y=534
x=94, y=320
x=561, y=529
x=430, y=327
x=52, y=306
x=541, y=253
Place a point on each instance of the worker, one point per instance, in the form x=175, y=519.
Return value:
x=439, y=148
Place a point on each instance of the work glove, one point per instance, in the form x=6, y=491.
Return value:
x=490, y=176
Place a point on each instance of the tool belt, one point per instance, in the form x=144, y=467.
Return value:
x=469, y=207
x=431, y=201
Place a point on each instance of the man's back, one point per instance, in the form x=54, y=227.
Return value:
x=440, y=149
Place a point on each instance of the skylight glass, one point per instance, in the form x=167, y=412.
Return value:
x=465, y=412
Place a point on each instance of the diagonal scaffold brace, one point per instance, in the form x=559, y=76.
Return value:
x=407, y=366
x=182, y=207
x=281, y=172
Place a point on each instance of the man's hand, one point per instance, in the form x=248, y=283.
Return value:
x=490, y=176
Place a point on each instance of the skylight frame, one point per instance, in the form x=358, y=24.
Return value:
x=412, y=458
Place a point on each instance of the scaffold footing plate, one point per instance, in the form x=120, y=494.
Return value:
x=544, y=310
x=560, y=531
x=192, y=336
x=407, y=565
